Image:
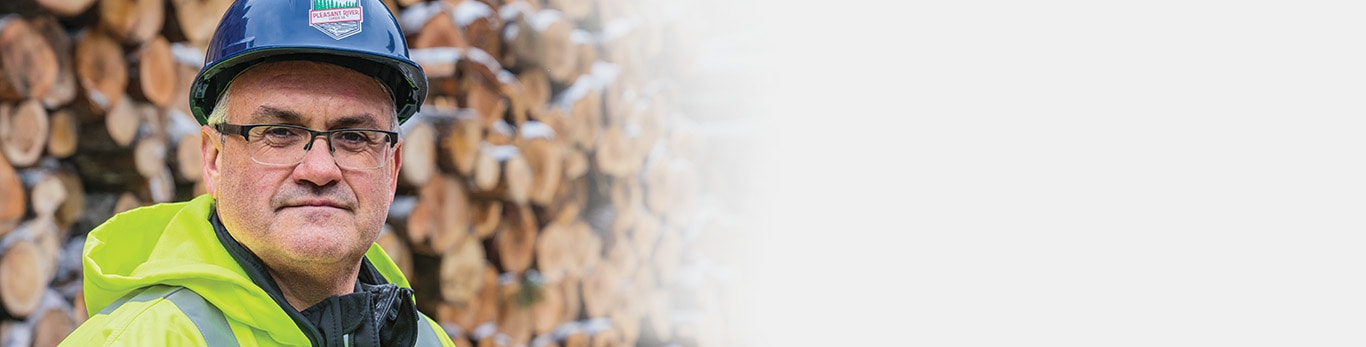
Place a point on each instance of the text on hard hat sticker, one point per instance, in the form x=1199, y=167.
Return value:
x=334, y=16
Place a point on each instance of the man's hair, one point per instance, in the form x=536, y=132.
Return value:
x=220, y=109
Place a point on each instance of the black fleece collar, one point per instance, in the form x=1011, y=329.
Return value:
x=378, y=313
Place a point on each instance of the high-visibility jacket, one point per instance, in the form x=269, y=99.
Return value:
x=158, y=276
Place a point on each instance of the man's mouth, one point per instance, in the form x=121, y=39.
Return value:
x=315, y=203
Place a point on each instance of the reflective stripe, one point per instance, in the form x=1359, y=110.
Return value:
x=425, y=335
x=207, y=317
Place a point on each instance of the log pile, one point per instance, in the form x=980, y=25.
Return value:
x=550, y=193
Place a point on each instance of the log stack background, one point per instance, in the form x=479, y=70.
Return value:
x=553, y=191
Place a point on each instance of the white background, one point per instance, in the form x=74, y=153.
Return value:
x=1057, y=173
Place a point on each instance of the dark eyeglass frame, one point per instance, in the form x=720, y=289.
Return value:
x=243, y=129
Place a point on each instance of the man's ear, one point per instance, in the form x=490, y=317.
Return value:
x=210, y=147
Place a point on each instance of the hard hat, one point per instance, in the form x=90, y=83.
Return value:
x=358, y=34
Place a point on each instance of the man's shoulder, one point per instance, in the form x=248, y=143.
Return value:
x=138, y=322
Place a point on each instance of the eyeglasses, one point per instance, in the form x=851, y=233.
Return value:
x=284, y=145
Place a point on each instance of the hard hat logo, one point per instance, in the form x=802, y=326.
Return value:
x=336, y=18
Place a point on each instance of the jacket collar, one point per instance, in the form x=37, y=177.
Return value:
x=339, y=319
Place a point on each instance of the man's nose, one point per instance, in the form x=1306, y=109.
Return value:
x=318, y=166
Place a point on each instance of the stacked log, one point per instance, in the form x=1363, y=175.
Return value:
x=549, y=193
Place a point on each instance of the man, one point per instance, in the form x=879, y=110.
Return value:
x=300, y=103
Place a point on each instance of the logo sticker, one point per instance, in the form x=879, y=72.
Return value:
x=336, y=18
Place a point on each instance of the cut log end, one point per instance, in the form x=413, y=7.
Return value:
x=28, y=66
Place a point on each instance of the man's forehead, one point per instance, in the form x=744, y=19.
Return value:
x=264, y=81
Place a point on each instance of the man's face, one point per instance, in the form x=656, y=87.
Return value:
x=316, y=212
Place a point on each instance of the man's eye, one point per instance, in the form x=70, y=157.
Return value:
x=279, y=132
x=353, y=136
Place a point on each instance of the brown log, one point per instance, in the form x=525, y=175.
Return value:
x=193, y=20
x=73, y=207
x=601, y=290
x=502, y=173
x=480, y=26
x=152, y=72
x=23, y=132
x=21, y=265
x=440, y=219
x=123, y=121
x=101, y=70
x=437, y=62
x=483, y=96
x=393, y=244
x=462, y=269
x=28, y=66
x=64, y=87
x=568, y=204
x=556, y=255
x=515, y=241
x=419, y=152
x=456, y=318
x=187, y=160
x=46, y=191
x=544, y=158
x=188, y=62
x=53, y=321
x=518, y=50
x=547, y=313
x=614, y=155
x=573, y=302
x=514, y=311
x=105, y=159
x=64, y=133
x=560, y=40
x=535, y=91
x=12, y=199
x=149, y=156
x=431, y=25
x=132, y=21
x=459, y=133
x=575, y=164
x=589, y=247
x=487, y=310
x=488, y=214
x=581, y=103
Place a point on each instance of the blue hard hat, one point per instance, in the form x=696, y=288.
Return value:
x=358, y=34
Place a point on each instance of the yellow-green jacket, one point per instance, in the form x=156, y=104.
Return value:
x=153, y=251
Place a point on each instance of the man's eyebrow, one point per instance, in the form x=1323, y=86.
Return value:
x=356, y=121
x=267, y=114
